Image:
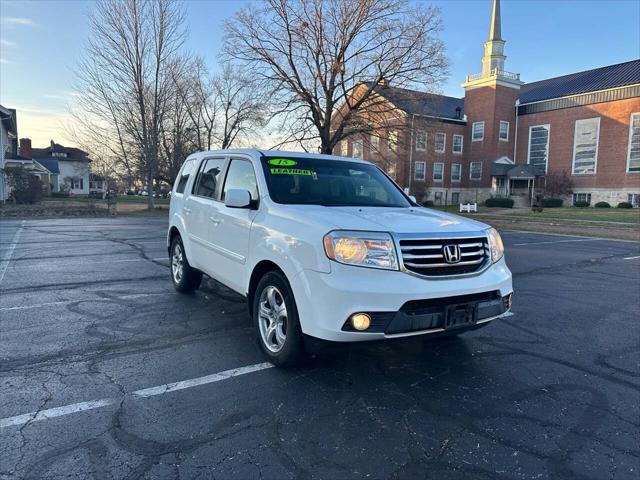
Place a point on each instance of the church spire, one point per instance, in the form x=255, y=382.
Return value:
x=494, y=29
x=493, y=58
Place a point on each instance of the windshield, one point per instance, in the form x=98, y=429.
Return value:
x=332, y=183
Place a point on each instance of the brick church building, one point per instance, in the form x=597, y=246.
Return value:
x=506, y=136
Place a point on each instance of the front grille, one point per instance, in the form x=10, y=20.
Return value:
x=426, y=256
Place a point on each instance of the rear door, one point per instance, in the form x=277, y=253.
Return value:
x=200, y=207
x=231, y=228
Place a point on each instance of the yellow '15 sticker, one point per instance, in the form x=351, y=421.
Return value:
x=282, y=162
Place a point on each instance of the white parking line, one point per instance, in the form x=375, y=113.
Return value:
x=558, y=241
x=144, y=393
x=194, y=382
x=55, y=412
x=65, y=302
x=631, y=258
x=5, y=261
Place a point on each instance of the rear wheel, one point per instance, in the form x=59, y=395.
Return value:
x=185, y=278
x=276, y=320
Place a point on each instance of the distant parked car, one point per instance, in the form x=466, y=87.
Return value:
x=331, y=248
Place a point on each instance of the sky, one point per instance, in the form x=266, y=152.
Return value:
x=41, y=42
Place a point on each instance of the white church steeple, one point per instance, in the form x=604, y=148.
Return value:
x=493, y=58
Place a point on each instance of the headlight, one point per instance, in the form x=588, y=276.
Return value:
x=366, y=249
x=495, y=245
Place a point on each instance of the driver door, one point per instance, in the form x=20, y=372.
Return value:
x=231, y=227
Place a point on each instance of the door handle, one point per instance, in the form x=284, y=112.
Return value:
x=215, y=221
x=186, y=210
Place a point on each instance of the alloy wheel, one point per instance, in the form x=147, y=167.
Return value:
x=272, y=318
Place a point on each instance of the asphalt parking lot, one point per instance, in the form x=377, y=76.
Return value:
x=106, y=372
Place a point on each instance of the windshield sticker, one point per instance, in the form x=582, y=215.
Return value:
x=291, y=171
x=282, y=162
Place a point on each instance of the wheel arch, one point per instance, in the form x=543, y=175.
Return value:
x=258, y=272
x=173, y=233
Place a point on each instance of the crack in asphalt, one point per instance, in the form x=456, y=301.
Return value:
x=427, y=405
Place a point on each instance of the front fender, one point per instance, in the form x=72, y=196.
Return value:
x=290, y=253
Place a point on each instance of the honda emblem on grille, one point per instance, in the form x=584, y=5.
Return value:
x=451, y=253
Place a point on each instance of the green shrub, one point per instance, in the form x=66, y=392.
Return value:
x=499, y=202
x=602, y=205
x=552, y=202
x=60, y=194
x=581, y=204
x=624, y=205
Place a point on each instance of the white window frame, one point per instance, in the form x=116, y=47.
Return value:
x=548, y=127
x=458, y=200
x=453, y=144
x=444, y=142
x=423, y=134
x=344, y=148
x=587, y=197
x=503, y=122
x=393, y=145
x=359, y=144
x=454, y=179
x=471, y=172
x=424, y=172
x=441, y=179
x=374, y=142
x=79, y=182
x=473, y=130
x=634, y=199
x=630, y=138
x=575, y=134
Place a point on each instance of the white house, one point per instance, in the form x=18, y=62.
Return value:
x=69, y=166
x=8, y=139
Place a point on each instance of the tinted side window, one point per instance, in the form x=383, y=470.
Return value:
x=183, y=178
x=209, y=177
x=241, y=176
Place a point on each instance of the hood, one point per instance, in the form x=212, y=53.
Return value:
x=395, y=220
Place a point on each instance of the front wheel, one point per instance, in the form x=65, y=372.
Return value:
x=185, y=278
x=276, y=320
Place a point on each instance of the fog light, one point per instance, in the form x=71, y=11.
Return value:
x=360, y=321
x=507, y=301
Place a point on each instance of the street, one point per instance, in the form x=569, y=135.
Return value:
x=107, y=372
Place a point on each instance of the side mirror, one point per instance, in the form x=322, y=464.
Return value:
x=413, y=199
x=236, y=198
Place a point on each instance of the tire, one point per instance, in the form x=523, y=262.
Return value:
x=282, y=344
x=185, y=278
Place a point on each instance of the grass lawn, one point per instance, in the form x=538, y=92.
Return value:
x=137, y=199
x=591, y=222
x=600, y=215
x=120, y=199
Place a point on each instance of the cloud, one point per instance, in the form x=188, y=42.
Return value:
x=17, y=21
x=4, y=61
x=7, y=43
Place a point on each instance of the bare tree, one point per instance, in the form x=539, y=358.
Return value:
x=314, y=53
x=557, y=184
x=242, y=105
x=125, y=76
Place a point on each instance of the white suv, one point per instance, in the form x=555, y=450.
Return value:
x=331, y=248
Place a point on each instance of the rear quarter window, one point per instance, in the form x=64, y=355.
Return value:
x=187, y=170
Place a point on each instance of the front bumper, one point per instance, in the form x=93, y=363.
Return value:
x=403, y=304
